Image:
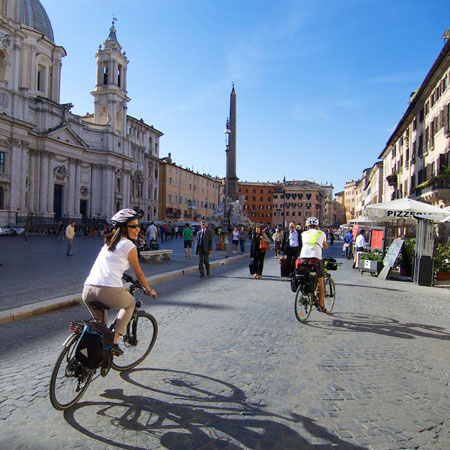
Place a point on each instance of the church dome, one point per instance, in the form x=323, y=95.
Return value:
x=33, y=15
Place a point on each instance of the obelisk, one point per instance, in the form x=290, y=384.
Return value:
x=232, y=179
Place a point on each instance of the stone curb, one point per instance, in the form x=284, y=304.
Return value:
x=23, y=312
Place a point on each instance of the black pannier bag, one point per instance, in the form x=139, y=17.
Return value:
x=306, y=277
x=330, y=263
x=94, y=345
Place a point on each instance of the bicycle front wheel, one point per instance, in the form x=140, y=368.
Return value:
x=137, y=342
x=330, y=293
x=303, y=305
x=70, y=378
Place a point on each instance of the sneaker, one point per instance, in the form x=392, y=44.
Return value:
x=116, y=350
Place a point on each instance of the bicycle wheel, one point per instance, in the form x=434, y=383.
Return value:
x=70, y=378
x=137, y=341
x=330, y=293
x=303, y=306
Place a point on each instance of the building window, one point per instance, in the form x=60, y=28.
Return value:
x=2, y=197
x=2, y=162
x=105, y=73
x=170, y=198
x=119, y=76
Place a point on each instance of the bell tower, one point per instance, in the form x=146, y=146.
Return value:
x=110, y=92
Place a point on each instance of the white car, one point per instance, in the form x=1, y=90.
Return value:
x=11, y=230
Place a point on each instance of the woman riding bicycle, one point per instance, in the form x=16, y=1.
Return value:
x=104, y=282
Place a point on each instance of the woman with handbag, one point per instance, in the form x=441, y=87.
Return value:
x=260, y=244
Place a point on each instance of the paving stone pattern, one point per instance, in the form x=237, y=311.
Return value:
x=41, y=270
x=232, y=368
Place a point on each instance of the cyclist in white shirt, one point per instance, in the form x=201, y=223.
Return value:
x=104, y=282
x=314, y=241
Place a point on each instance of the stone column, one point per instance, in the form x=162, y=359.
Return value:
x=70, y=208
x=51, y=186
x=77, y=187
x=43, y=183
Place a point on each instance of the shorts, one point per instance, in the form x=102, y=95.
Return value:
x=318, y=264
x=188, y=244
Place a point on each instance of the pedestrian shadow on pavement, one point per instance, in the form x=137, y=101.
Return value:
x=187, y=410
x=368, y=323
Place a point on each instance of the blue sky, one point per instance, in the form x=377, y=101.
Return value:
x=320, y=85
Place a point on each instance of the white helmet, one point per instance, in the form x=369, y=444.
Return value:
x=312, y=221
x=125, y=215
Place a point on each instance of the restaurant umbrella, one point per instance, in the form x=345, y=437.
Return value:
x=424, y=215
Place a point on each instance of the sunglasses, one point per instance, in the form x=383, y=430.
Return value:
x=134, y=226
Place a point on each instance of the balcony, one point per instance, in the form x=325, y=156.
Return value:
x=392, y=179
x=436, y=188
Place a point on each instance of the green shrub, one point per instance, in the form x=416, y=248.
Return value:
x=442, y=258
x=372, y=256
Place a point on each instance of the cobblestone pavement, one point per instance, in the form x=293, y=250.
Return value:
x=232, y=368
x=41, y=270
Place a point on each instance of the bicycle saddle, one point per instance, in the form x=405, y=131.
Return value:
x=99, y=305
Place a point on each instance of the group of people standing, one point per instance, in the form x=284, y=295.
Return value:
x=295, y=245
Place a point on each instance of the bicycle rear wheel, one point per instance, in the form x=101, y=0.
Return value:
x=137, y=341
x=70, y=378
x=330, y=293
x=303, y=306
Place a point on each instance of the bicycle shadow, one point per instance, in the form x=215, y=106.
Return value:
x=368, y=323
x=187, y=410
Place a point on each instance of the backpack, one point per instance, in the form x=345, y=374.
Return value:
x=94, y=345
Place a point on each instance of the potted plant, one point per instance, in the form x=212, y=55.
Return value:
x=371, y=262
x=442, y=261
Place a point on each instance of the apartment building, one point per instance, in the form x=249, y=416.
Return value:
x=416, y=156
x=259, y=201
x=185, y=195
x=295, y=201
x=350, y=195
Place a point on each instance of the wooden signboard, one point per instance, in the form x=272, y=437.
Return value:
x=390, y=257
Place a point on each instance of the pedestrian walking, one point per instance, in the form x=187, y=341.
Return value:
x=292, y=245
x=348, y=241
x=187, y=236
x=26, y=231
x=243, y=236
x=70, y=236
x=235, y=239
x=203, y=249
x=60, y=230
x=260, y=244
x=150, y=234
x=277, y=238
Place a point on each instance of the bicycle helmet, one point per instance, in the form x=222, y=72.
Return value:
x=312, y=221
x=124, y=216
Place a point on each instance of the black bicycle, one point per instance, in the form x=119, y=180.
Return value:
x=70, y=378
x=306, y=288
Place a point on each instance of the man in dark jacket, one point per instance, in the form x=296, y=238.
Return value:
x=292, y=244
x=204, y=245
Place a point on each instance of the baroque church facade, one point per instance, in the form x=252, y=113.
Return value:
x=56, y=165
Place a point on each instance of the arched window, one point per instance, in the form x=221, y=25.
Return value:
x=119, y=76
x=105, y=73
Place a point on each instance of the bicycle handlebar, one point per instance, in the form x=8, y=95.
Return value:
x=135, y=285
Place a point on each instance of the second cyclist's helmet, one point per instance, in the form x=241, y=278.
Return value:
x=312, y=221
x=124, y=216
